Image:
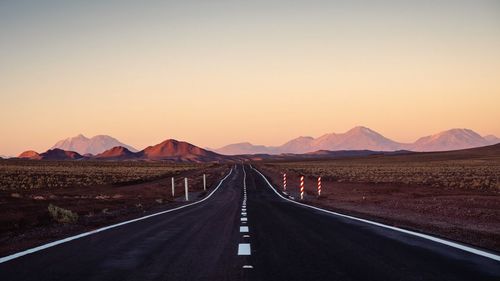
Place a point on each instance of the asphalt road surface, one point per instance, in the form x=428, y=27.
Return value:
x=245, y=231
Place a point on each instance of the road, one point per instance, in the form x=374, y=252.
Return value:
x=245, y=231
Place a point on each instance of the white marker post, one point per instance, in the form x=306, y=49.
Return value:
x=204, y=182
x=173, y=187
x=186, y=188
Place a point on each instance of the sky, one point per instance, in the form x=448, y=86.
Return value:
x=218, y=72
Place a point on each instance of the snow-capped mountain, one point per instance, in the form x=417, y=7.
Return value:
x=491, y=139
x=94, y=145
x=358, y=138
x=453, y=139
x=362, y=138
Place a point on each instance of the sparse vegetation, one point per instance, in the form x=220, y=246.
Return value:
x=25, y=174
x=467, y=174
x=62, y=215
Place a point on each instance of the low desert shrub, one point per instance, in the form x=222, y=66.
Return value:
x=62, y=215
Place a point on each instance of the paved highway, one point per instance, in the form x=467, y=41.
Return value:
x=245, y=231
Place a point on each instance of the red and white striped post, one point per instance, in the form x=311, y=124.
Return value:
x=284, y=182
x=301, y=187
x=319, y=186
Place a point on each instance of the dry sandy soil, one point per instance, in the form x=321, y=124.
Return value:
x=470, y=216
x=25, y=221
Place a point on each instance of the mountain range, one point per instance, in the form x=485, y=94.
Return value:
x=169, y=150
x=93, y=145
x=357, y=141
x=362, y=138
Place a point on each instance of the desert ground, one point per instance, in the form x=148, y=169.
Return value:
x=455, y=195
x=42, y=201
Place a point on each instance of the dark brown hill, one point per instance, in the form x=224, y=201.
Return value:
x=30, y=154
x=179, y=151
x=117, y=153
x=59, y=154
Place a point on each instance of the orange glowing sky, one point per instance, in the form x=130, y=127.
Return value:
x=218, y=72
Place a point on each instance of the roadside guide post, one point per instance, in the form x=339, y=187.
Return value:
x=301, y=187
x=173, y=187
x=319, y=186
x=186, y=188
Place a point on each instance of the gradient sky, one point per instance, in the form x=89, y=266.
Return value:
x=218, y=72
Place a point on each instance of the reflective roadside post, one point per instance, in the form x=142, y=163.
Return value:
x=319, y=186
x=301, y=187
x=284, y=181
x=173, y=187
x=186, y=188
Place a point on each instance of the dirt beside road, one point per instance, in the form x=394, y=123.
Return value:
x=464, y=215
x=25, y=221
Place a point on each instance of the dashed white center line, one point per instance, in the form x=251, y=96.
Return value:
x=244, y=249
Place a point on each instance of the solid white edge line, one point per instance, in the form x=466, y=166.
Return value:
x=244, y=177
x=55, y=243
x=421, y=235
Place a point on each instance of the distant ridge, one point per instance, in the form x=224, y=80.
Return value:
x=363, y=138
x=51, y=154
x=244, y=148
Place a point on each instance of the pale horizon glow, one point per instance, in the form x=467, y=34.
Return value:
x=214, y=73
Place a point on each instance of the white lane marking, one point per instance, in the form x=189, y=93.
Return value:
x=246, y=236
x=243, y=213
x=244, y=249
x=247, y=266
x=244, y=229
x=243, y=209
x=425, y=236
x=244, y=219
x=81, y=235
